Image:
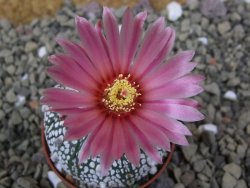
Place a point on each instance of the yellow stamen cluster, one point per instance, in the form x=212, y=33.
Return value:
x=120, y=95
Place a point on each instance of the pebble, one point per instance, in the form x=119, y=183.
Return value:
x=15, y=118
x=228, y=181
x=208, y=127
x=224, y=27
x=20, y=100
x=54, y=179
x=239, y=31
x=174, y=10
x=42, y=51
x=5, y=53
x=203, y=40
x=189, y=151
x=30, y=46
x=5, y=24
x=188, y=177
x=233, y=169
x=10, y=96
x=11, y=69
x=177, y=174
x=213, y=88
x=199, y=165
x=213, y=8
x=193, y=4
x=1, y=114
x=241, y=184
x=230, y=95
x=179, y=185
x=27, y=182
x=248, y=129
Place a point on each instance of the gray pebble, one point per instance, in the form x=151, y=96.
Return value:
x=199, y=165
x=233, y=169
x=10, y=96
x=1, y=114
x=213, y=88
x=11, y=69
x=5, y=24
x=27, y=182
x=241, y=184
x=228, y=181
x=15, y=118
x=238, y=31
x=248, y=129
x=193, y=4
x=177, y=174
x=189, y=151
x=179, y=185
x=188, y=177
x=30, y=46
x=25, y=112
x=224, y=27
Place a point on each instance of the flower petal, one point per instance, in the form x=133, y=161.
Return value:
x=162, y=54
x=130, y=35
x=186, y=102
x=180, y=88
x=83, y=129
x=174, y=68
x=79, y=55
x=67, y=72
x=154, y=41
x=85, y=150
x=61, y=98
x=145, y=142
x=107, y=156
x=71, y=110
x=76, y=121
x=101, y=137
x=164, y=122
x=180, y=112
x=94, y=47
x=112, y=36
x=118, y=143
x=154, y=133
x=175, y=138
x=131, y=148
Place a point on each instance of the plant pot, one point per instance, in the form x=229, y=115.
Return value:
x=68, y=180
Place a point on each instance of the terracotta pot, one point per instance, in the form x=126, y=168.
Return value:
x=67, y=180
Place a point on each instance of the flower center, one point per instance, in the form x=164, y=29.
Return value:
x=120, y=95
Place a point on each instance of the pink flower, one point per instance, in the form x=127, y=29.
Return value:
x=124, y=96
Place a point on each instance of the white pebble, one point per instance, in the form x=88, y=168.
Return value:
x=24, y=77
x=42, y=51
x=230, y=95
x=247, y=1
x=209, y=127
x=174, y=11
x=20, y=100
x=53, y=178
x=203, y=40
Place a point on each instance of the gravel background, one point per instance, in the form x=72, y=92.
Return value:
x=221, y=36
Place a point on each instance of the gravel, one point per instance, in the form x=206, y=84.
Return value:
x=221, y=36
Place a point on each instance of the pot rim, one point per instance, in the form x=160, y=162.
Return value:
x=71, y=185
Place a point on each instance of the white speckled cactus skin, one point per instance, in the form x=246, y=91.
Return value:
x=121, y=174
